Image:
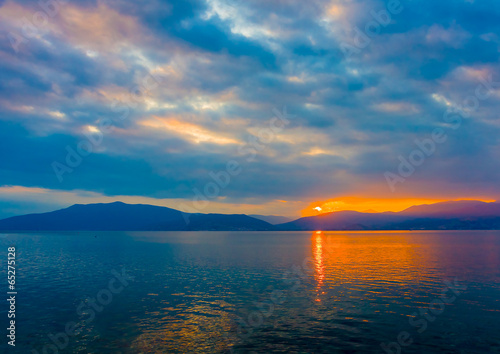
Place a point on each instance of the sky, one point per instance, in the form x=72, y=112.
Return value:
x=257, y=106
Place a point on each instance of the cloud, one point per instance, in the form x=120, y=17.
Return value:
x=220, y=68
x=18, y=200
x=191, y=132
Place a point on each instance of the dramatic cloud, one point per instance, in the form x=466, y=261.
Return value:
x=104, y=100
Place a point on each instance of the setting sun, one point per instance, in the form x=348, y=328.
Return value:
x=369, y=205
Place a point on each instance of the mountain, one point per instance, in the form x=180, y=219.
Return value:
x=462, y=208
x=457, y=215
x=454, y=215
x=223, y=222
x=119, y=216
x=343, y=220
x=272, y=219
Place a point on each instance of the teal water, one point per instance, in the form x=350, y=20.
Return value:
x=255, y=292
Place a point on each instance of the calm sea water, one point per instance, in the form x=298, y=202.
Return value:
x=255, y=292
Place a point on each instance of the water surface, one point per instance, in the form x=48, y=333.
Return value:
x=262, y=292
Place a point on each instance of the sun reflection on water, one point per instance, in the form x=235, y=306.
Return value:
x=383, y=262
x=318, y=261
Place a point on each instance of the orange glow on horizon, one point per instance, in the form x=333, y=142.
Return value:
x=371, y=205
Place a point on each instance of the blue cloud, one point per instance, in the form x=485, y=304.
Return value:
x=222, y=69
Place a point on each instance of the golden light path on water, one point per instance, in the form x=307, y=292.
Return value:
x=376, y=260
x=342, y=262
x=353, y=279
x=318, y=260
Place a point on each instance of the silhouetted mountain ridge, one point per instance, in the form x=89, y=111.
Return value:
x=118, y=216
x=272, y=219
x=453, y=215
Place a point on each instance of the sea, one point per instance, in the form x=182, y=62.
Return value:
x=251, y=292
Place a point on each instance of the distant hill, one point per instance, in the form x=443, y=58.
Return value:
x=119, y=216
x=462, y=208
x=460, y=215
x=343, y=220
x=454, y=215
x=272, y=219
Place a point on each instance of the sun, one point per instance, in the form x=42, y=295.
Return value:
x=318, y=209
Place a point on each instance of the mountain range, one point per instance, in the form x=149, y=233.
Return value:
x=118, y=216
x=453, y=215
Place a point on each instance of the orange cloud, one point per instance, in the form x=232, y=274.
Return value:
x=98, y=28
x=189, y=131
x=98, y=31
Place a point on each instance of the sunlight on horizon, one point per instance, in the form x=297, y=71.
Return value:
x=372, y=205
